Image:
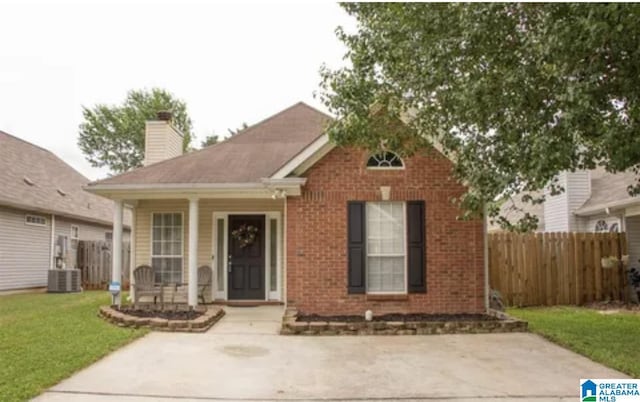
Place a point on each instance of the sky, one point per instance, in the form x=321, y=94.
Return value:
x=231, y=63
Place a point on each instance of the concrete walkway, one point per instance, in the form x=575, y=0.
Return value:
x=243, y=358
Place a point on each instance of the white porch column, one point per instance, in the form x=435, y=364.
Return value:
x=116, y=257
x=132, y=254
x=193, y=252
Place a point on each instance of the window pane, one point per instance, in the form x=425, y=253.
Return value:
x=385, y=274
x=273, y=280
x=220, y=255
x=385, y=247
x=166, y=235
x=168, y=270
x=177, y=219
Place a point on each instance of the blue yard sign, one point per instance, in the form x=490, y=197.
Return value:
x=114, y=288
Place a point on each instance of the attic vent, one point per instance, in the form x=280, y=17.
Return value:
x=61, y=192
x=28, y=181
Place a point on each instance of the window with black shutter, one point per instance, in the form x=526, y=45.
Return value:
x=386, y=242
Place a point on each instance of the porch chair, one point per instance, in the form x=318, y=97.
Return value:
x=205, y=274
x=144, y=277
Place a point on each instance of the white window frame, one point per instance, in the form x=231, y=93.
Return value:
x=406, y=251
x=152, y=256
x=74, y=238
x=269, y=215
x=35, y=217
x=76, y=235
x=384, y=167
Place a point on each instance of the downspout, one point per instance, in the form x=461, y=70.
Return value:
x=485, y=224
x=53, y=242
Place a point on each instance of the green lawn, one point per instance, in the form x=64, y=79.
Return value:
x=44, y=338
x=610, y=339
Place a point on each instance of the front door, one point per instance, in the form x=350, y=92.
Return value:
x=246, y=268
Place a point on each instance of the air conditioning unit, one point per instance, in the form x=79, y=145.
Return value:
x=64, y=280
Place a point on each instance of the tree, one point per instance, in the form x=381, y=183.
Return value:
x=210, y=140
x=512, y=93
x=113, y=135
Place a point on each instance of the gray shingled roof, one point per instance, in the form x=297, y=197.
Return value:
x=56, y=188
x=608, y=189
x=255, y=153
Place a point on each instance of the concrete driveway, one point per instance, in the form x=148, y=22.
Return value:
x=243, y=358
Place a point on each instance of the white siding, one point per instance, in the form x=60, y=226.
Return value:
x=558, y=209
x=555, y=209
x=24, y=251
x=632, y=227
x=578, y=190
x=162, y=141
x=205, y=223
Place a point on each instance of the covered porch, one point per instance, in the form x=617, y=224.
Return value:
x=240, y=239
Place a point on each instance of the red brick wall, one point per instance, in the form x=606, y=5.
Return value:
x=317, y=237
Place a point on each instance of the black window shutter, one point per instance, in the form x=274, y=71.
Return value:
x=416, y=245
x=356, y=246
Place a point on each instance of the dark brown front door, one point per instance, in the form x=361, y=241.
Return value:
x=246, y=257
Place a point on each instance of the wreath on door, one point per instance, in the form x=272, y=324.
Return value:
x=245, y=235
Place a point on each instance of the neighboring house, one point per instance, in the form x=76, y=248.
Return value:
x=44, y=212
x=592, y=201
x=281, y=214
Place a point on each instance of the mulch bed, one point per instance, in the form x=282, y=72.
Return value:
x=397, y=318
x=166, y=314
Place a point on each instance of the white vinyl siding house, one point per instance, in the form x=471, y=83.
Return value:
x=24, y=250
x=42, y=200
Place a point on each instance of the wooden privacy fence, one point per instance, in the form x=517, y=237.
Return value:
x=94, y=262
x=556, y=268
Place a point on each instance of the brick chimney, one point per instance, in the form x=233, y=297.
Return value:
x=161, y=139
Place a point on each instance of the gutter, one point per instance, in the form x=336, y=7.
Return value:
x=265, y=184
x=597, y=209
x=47, y=211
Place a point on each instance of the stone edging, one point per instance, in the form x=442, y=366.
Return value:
x=201, y=324
x=505, y=324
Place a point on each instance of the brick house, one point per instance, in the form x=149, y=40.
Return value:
x=281, y=214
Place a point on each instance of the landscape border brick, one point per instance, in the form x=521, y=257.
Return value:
x=210, y=316
x=504, y=323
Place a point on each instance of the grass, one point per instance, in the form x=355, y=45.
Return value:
x=45, y=338
x=610, y=339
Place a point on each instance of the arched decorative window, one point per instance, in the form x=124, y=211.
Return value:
x=601, y=226
x=614, y=228
x=385, y=160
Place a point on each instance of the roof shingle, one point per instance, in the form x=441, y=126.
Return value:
x=256, y=152
x=56, y=187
